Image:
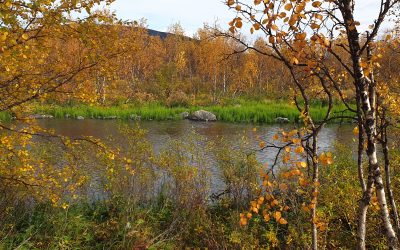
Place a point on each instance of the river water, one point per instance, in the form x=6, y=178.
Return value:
x=159, y=133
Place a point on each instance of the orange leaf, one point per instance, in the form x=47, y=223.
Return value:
x=277, y=215
x=282, y=221
x=288, y=7
x=299, y=150
x=316, y=4
x=271, y=39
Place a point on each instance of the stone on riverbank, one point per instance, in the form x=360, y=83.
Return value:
x=40, y=116
x=282, y=120
x=202, y=115
x=114, y=117
x=135, y=117
x=184, y=115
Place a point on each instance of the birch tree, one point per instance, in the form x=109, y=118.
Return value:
x=324, y=48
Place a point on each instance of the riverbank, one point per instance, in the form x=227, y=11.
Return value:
x=245, y=112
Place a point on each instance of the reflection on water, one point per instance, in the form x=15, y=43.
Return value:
x=159, y=132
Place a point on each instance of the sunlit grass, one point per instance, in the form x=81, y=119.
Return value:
x=245, y=112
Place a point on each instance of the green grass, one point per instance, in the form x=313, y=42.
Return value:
x=5, y=116
x=148, y=112
x=245, y=112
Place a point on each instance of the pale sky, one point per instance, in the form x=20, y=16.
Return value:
x=193, y=14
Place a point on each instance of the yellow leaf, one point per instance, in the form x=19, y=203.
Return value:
x=266, y=183
x=356, y=131
x=25, y=36
x=296, y=140
x=303, y=182
x=327, y=42
x=3, y=36
x=255, y=210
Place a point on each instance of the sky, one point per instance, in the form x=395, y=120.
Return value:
x=193, y=14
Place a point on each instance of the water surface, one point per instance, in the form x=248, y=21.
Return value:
x=159, y=132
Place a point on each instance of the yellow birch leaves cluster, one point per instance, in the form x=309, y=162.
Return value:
x=289, y=176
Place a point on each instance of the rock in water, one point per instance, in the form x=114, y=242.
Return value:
x=202, y=115
x=184, y=115
x=282, y=120
x=80, y=118
x=135, y=117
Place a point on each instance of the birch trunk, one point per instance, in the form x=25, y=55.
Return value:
x=315, y=198
x=385, y=149
x=366, y=92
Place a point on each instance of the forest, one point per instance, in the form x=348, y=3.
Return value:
x=276, y=130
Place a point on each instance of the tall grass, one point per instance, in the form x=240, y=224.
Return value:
x=246, y=112
x=5, y=116
x=147, y=112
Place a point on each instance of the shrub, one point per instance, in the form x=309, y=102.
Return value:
x=176, y=99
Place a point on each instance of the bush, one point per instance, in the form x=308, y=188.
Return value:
x=177, y=99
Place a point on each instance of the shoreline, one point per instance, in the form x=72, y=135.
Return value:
x=256, y=113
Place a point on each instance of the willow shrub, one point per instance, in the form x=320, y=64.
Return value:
x=165, y=201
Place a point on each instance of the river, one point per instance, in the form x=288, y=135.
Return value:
x=159, y=133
